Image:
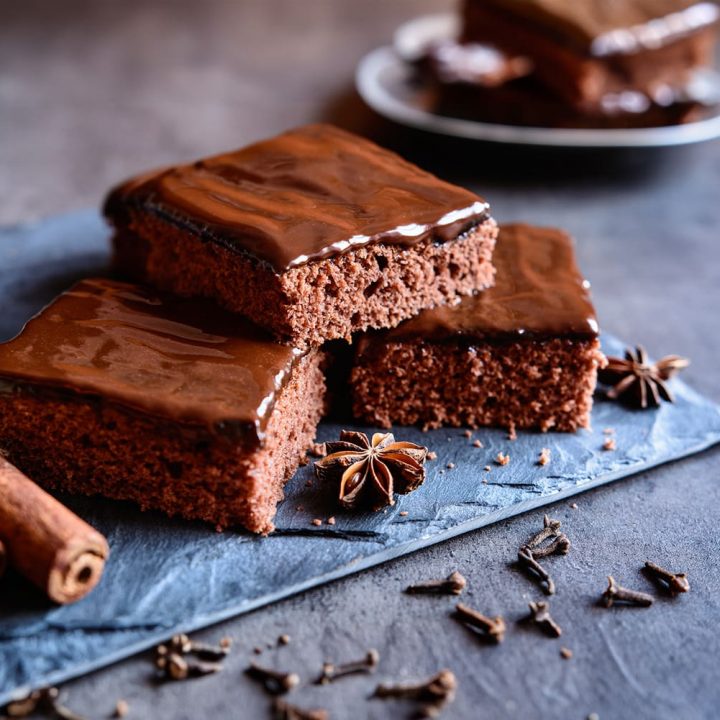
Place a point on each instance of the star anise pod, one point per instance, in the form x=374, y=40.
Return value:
x=635, y=380
x=370, y=472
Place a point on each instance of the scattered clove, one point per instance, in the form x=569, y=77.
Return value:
x=181, y=644
x=175, y=667
x=331, y=672
x=544, y=456
x=502, y=458
x=284, y=639
x=616, y=593
x=540, y=616
x=454, y=584
x=492, y=629
x=121, y=709
x=46, y=700
x=285, y=711
x=566, y=653
x=675, y=582
x=559, y=546
x=550, y=530
x=275, y=682
x=533, y=549
x=435, y=693
x=527, y=561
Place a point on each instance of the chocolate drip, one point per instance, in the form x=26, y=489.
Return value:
x=308, y=194
x=186, y=361
x=614, y=27
x=538, y=293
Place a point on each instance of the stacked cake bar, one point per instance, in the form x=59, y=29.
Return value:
x=579, y=63
x=194, y=384
x=523, y=354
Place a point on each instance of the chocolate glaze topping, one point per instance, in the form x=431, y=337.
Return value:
x=182, y=360
x=615, y=27
x=305, y=195
x=539, y=293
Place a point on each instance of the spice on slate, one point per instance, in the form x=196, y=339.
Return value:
x=566, y=653
x=502, y=459
x=638, y=382
x=477, y=443
x=369, y=472
x=675, y=582
x=609, y=444
x=540, y=616
x=491, y=629
x=274, y=681
x=453, y=584
x=544, y=457
x=616, y=593
x=121, y=709
x=285, y=711
x=331, y=672
x=435, y=693
x=284, y=639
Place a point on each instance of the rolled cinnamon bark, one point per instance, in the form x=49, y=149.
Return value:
x=45, y=541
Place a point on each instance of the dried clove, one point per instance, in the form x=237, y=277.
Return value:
x=332, y=672
x=285, y=711
x=434, y=694
x=559, y=546
x=550, y=530
x=540, y=616
x=175, y=667
x=675, y=582
x=493, y=629
x=454, y=584
x=47, y=700
x=275, y=682
x=182, y=644
x=527, y=561
x=121, y=709
x=616, y=593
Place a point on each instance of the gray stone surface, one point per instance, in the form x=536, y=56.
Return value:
x=90, y=91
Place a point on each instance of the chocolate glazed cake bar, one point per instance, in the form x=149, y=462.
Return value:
x=591, y=52
x=173, y=404
x=523, y=354
x=315, y=234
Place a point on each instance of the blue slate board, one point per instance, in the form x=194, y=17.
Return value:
x=165, y=575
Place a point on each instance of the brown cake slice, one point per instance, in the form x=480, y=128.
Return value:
x=314, y=234
x=481, y=83
x=589, y=51
x=173, y=404
x=523, y=354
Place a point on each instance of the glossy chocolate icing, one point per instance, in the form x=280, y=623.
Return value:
x=305, y=195
x=538, y=293
x=182, y=360
x=614, y=27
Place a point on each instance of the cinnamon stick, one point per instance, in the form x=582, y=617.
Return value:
x=46, y=542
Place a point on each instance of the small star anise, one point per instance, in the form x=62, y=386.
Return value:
x=371, y=472
x=636, y=381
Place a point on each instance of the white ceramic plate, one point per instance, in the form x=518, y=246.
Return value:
x=383, y=79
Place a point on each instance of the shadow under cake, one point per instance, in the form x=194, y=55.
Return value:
x=176, y=405
x=314, y=234
x=523, y=354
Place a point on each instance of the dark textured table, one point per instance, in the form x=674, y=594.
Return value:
x=92, y=91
